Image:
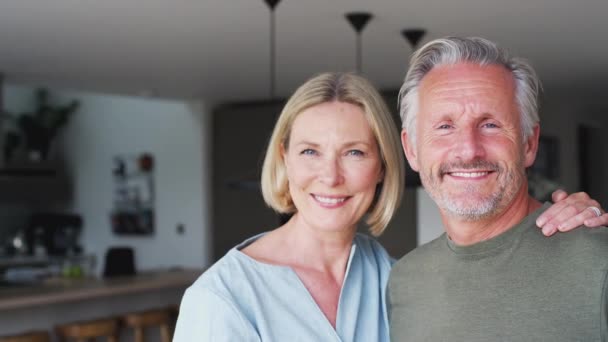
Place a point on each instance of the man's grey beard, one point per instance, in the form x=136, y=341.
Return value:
x=489, y=206
x=483, y=210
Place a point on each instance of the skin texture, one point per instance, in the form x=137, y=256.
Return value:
x=470, y=152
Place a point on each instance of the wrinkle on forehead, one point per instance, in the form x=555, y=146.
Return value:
x=453, y=74
x=468, y=88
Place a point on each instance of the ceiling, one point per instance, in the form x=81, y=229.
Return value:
x=218, y=50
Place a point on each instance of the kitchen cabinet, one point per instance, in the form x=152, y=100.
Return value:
x=34, y=183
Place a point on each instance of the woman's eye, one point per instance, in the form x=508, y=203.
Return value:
x=444, y=126
x=356, y=153
x=490, y=125
x=308, y=152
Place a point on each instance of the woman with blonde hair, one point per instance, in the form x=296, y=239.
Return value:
x=333, y=158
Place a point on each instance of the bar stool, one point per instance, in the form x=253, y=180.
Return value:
x=150, y=318
x=32, y=336
x=86, y=330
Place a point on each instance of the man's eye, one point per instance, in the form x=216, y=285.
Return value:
x=490, y=125
x=445, y=126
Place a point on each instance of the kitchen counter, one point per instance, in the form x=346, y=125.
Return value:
x=61, y=290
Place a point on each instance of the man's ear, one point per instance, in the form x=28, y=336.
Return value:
x=410, y=150
x=531, y=147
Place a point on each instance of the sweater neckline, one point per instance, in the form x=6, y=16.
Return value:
x=501, y=241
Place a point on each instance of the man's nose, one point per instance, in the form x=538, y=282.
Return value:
x=469, y=144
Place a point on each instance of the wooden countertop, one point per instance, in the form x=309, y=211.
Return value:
x=61, y=290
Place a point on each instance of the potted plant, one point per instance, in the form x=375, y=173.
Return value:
x=33, y=133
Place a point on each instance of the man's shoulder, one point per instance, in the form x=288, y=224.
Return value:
x=583, y=240
x=583, y=249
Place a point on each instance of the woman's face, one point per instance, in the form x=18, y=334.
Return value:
x=333, y=166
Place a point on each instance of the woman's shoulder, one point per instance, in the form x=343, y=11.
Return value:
x=230, y=270
x=211, y=308
x=368, y=242
x=262, y=247
x=371, y=248
x=226, y=268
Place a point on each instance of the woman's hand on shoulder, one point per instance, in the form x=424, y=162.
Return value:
x=570, y=211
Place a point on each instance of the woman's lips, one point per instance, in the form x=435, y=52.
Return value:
x=330, y=201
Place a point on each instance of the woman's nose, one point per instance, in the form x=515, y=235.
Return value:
x=331, y=171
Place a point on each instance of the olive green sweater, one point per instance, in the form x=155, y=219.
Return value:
x=518, y=286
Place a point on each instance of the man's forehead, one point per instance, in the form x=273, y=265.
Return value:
x=464, y=70
x=467, y=88
x=466, y=79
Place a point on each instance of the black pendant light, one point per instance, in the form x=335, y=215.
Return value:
x=1, y=94
x=272, y=4
x=358, y=20
x=413, y=36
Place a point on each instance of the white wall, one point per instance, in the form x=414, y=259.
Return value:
x=176, y=133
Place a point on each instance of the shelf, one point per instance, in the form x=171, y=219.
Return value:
x=33, y=182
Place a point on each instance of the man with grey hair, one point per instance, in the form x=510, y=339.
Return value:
x=471, y=128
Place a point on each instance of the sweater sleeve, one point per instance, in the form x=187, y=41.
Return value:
x=206, y=316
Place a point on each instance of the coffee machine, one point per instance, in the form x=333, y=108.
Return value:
x=53, y=234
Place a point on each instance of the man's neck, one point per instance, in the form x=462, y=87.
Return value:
x=467, y=232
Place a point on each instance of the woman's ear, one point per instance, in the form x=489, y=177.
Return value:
x=381, y=176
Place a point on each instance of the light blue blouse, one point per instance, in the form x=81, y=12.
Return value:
x=241, y=299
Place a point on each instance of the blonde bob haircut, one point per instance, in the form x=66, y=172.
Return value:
x=348, y=88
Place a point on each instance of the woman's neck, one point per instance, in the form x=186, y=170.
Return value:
x=317, y=249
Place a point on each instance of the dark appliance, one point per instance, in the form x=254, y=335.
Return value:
x=56, y=234
x=119, y=261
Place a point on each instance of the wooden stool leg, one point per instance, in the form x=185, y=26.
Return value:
x=139, y=335
x=85, y=331
x=165, y=333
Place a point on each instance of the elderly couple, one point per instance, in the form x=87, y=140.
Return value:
x=507, y=267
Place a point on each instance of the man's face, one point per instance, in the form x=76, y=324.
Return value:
x=469, y=149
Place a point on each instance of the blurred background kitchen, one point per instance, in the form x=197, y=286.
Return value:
x=132, y=131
